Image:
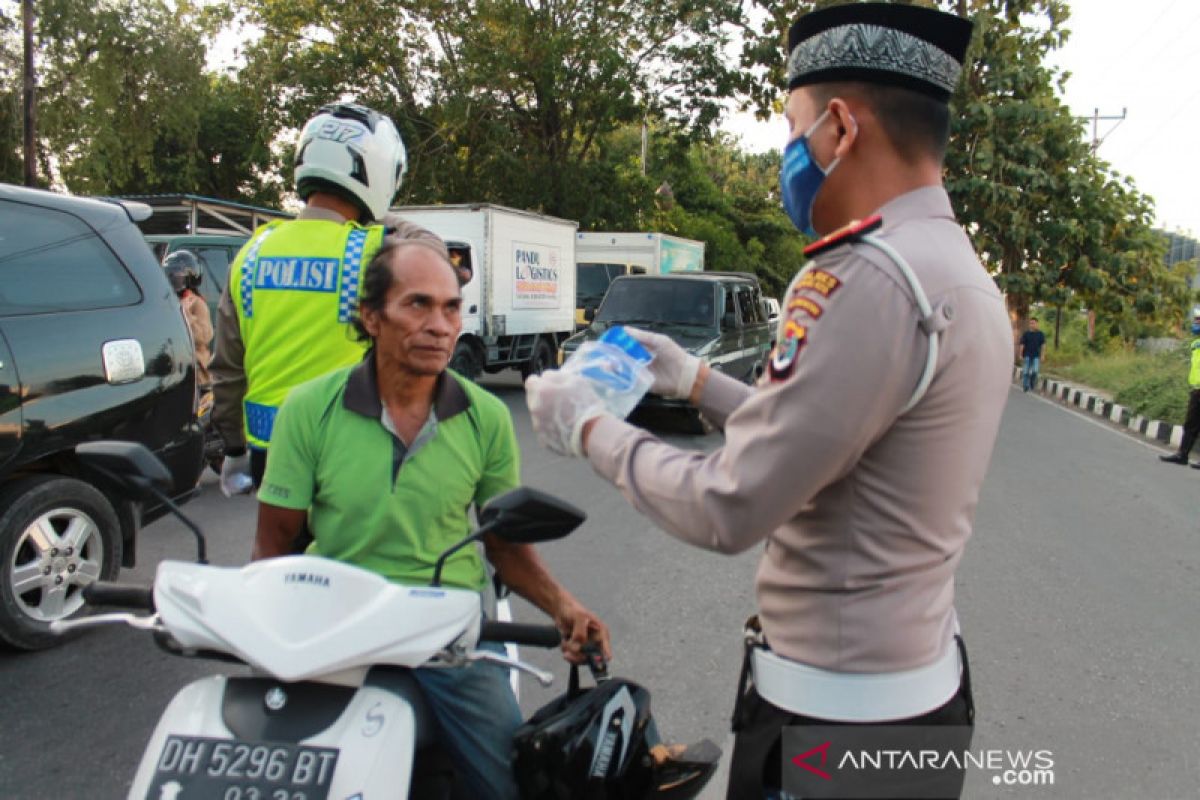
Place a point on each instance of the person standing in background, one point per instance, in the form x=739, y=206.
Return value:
x=1191, y=423
x=1032, y=342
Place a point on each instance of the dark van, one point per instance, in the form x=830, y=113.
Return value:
x=93, y=345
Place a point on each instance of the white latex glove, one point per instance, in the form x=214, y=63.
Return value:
x=674, y=369
x=235, y=475
x=560, y=405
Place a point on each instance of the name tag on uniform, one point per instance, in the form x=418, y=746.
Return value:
x=298, y=274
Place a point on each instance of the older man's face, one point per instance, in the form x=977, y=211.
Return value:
x=421, y=317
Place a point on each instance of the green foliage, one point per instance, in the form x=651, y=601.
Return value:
x=125, y=105
x=1051, y=220
x=540, y=104
x=512, y=102
x=11, y=131
x=729, y=199
x=1153, y=385
x=120, y=92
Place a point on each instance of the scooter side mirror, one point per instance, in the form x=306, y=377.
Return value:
x=134, y=471
x=526, y=516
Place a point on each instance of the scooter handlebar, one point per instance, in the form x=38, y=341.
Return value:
x=520, y=633
x=103, y=593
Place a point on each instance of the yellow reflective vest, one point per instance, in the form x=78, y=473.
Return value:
x=1194, y=375
x=295, y=287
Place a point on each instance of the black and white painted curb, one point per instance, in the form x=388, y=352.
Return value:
x=1085, y=399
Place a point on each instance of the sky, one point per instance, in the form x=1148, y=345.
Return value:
x=1139, y=57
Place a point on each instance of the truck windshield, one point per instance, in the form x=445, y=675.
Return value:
x=663, y=301
x=593, y=281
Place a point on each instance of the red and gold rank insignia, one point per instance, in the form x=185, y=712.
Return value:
x=820, y=281
x=844, y=235
x=783, y=357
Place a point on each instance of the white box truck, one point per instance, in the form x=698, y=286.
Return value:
x=601, y=256
x=520, y=302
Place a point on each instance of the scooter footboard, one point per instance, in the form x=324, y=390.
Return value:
x=231, y=737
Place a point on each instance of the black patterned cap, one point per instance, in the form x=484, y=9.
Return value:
x=887, y=43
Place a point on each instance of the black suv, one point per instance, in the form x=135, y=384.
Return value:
x=93, y=345
x=719, y=316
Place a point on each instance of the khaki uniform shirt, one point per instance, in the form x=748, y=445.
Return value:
x=200, y=324
x=228, y=361
x=865, y=511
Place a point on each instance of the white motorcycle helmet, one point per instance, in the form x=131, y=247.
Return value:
x=353, y=149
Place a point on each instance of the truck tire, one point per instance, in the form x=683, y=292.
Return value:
x=466, y=360
x=541, y=360
x=57, y=535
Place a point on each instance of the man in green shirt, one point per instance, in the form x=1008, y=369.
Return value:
x=382, y=461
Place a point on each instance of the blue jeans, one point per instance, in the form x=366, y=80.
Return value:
x=478, y=715
x=1029, y=374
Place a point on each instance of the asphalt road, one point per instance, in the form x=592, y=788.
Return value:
x=1079, y=596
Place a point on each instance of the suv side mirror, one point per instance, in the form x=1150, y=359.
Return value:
x=589, y=314
x=526, y=515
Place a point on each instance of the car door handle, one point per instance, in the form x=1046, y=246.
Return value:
x=473, y=310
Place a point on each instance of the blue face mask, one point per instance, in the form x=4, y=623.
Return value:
x=800, y=179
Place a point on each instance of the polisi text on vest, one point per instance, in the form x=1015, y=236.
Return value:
x=302, y=274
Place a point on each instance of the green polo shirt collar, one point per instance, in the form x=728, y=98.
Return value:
x=362, y=393
x=334, y=458
x=362, y=397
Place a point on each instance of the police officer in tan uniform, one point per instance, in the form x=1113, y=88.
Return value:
x=859, y=457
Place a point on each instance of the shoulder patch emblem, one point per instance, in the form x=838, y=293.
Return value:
x=805, y=305
x=820, y=281
x=844, y=235
x=783, y=357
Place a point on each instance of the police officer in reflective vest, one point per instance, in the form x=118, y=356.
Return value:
x=859, y=457
x=1191, y=423
x=284, y=315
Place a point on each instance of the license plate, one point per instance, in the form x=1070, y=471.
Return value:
x=196, y=768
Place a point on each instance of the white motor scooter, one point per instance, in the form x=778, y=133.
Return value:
x=331, y=710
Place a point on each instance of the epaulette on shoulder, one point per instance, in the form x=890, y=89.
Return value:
x=844, y=235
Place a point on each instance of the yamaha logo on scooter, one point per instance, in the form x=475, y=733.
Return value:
x=275, y=699
x=310, y=578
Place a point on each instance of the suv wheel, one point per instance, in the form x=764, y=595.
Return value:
x=57, y=535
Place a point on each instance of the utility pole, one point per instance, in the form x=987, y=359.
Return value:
x=645, y=144
x=30, y=130
x=1097, y=140
x=1096, y=118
